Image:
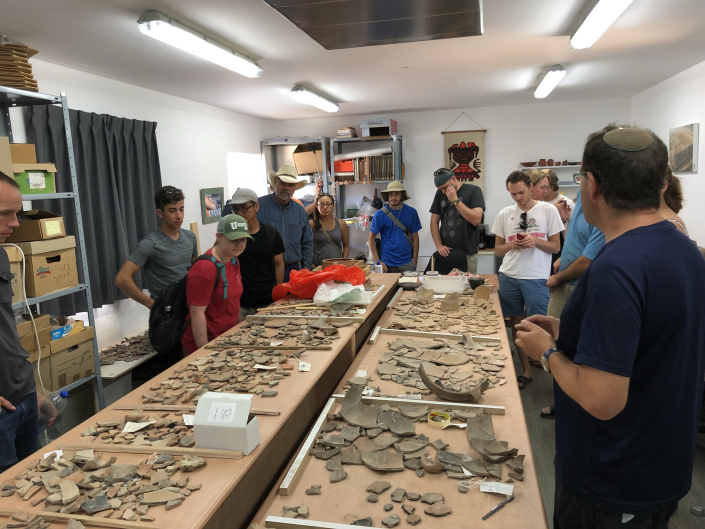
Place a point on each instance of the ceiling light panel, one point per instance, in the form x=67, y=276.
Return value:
x=597, y=22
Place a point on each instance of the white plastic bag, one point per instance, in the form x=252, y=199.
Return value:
x=332, y=292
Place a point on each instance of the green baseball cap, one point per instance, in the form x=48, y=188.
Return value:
x=233, y=227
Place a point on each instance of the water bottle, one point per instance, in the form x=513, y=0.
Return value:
x=378, y=267
x=53, y=406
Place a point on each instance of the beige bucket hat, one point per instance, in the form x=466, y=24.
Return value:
x=286, y=173
x=396, y=185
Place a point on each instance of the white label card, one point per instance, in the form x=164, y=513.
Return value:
x=439, y=296
x=188, y=419
x=266, y=368
x=497, y=488
x=368, y=392
x=131, y=427
x=37, y=181
x=56, y=454
x=276, y=343
x=221, y=412
x=304, y=366
x=361, y=373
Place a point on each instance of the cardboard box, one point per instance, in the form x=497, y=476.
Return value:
x=308, y=159
x=65, y=330
x=23, y=153
x=223, y=421
x=5, y=156
x=46, y=374
x=29, y=343
x=37, y=225
x=72, y=340
x=378, y=127
x=35, y=178
x=25, y=328
x=73, y=362
x=16, y=270
x=51, y=265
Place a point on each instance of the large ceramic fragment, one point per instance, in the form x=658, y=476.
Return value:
x=480, y=427
x=401, y=426
x=351, y=456
x=413, y=412
x=438, y=510
x=378, y=487
x=69, y=491
x=431, y=465
x=472, y=394
x=516, y=464
x=384, y=460
x=477, y=467
x=96, y=504
x=160, y=497
x=452, y=359
x=412, y=445
x=380, y=442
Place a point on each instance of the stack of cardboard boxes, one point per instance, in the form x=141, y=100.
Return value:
x=49, y=265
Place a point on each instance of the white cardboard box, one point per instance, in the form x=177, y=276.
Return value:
x=223, y=422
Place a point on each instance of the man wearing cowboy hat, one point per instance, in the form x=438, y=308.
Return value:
x=456, y=212
x=398, y=225
x=289, y=217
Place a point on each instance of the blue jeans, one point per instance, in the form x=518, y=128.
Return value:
x=18, y=432
x=517, y=296
x=296, y=265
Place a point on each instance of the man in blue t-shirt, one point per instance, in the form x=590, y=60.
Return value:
x=628, y=354
x=398, y=226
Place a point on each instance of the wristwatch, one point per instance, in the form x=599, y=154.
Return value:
x=544, y=359
x=455, y=202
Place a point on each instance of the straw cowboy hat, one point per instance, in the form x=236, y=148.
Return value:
x=396, y=185
x=286, y=173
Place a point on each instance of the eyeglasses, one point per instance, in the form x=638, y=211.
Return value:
x=522, y=224
x=242, y=208
x=578, y=176
x=325, y=204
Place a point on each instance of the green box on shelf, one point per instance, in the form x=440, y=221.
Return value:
x=35, y=178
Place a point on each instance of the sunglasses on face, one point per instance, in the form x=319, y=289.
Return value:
x=522, y=224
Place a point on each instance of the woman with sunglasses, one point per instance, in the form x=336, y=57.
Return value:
x=330, y=235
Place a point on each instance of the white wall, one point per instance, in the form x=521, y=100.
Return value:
x=672, y=103
x=514, y=134
x=194, y=142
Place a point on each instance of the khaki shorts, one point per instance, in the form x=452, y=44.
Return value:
x=559, y=297
x=472, y=263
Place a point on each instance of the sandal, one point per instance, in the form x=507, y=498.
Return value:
x=551, y=413
x=523, y=381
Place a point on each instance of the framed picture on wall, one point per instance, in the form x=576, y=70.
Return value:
x=212, y=201
x=683, y=148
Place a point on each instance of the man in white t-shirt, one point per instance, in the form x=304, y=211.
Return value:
x=528, y=232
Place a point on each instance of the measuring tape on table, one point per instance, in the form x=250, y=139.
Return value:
x=439, y=419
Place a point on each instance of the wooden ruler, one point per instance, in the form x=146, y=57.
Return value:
x=171, y=450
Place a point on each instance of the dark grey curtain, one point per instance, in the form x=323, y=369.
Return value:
x=117, y=168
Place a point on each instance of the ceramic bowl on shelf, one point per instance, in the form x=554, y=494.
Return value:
x=527, y=164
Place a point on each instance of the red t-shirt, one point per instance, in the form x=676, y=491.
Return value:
x=221, y=314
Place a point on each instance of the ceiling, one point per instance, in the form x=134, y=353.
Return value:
x=650, y=42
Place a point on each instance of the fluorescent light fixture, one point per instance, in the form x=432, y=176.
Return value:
x=161, y=27
x=596, y=23
x=554, y=76
x=310, y=97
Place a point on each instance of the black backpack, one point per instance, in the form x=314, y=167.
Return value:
x=167, y=317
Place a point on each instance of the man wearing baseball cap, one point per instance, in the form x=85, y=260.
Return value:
x=456, y=212
x=214, y=286
x=289, y=218
x=262, y=262
x=398, y=226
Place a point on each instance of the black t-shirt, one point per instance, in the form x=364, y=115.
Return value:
x=257, y=266
x=456, y=232
x=16, y=377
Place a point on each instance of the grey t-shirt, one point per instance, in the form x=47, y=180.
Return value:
x=16, y=377
x=456, y=232
x=164, y=260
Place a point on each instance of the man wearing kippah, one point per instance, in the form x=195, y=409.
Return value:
x=628, y=353
x=456, y=212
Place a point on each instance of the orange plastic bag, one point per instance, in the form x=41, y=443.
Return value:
x=304, y=283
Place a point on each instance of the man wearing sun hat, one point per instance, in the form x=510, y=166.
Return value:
x=289, y=218
x=456, y=212
x=628, y=353
x=398, y=226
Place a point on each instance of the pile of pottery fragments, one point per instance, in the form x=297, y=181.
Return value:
x=457, y=313
x=127, y=350
x=84, y=483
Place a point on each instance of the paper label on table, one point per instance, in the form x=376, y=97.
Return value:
x=188, y=419
x=360, y=311
x=368, y=392
x=56, y=454
x=304, y=366
x=266, y=368
x=410, y=396
x=497, y=488
x=37, y=181
x=131, y=427
x=221, y=412
x=276, y=343
x=52, y=227
x=361, y=373
x=439, y=296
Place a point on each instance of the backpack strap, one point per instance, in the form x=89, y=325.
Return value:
x=398, y=224
x=218, y=265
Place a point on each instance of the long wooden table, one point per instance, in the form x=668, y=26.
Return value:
x=345, y=502
x=233, y=489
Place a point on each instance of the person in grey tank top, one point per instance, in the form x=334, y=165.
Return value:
x=330, y=235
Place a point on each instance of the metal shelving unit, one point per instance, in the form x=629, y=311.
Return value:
x=282, y=141
x=11, y=97
x=336, y=147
